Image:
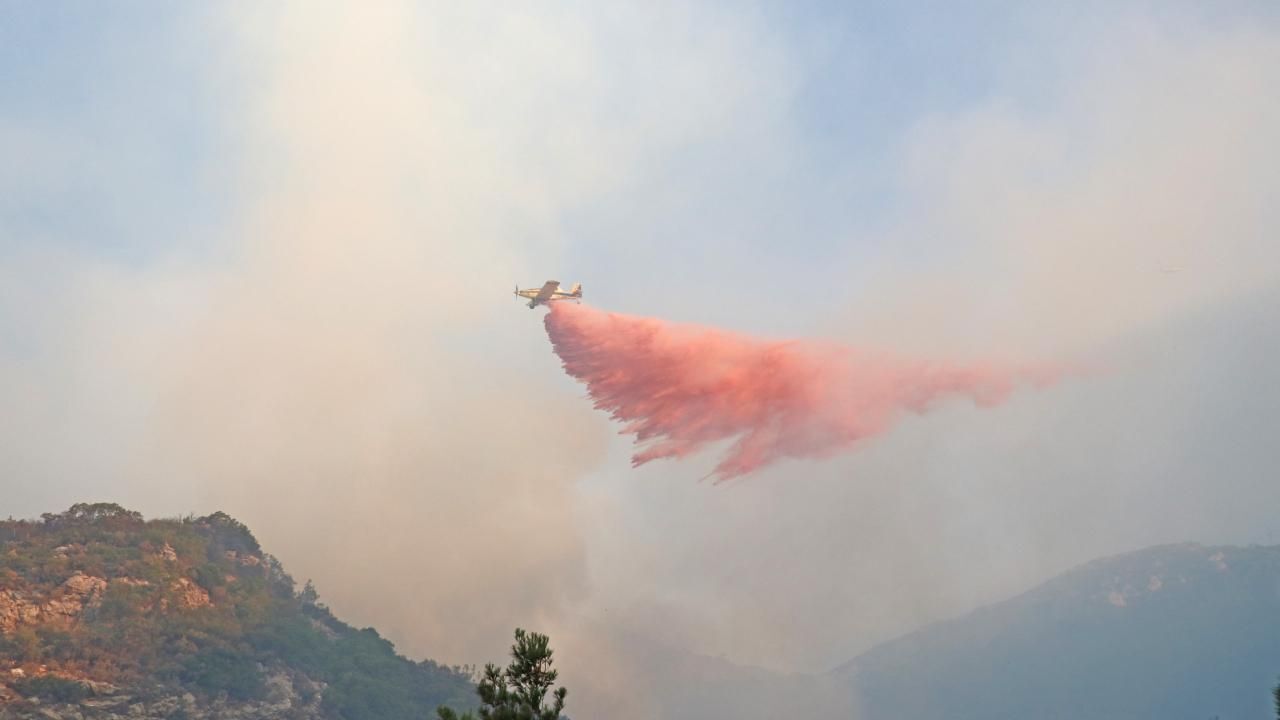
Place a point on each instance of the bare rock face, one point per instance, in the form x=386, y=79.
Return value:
x=13, y=610
x=189, y=595
x=78, y=592
x=17, y=608
x=244, y=559
x=130, y=582
x=84, y=586
x=63, y=607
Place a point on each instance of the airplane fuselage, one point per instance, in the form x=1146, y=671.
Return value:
x=549, y=292
x=534, y=301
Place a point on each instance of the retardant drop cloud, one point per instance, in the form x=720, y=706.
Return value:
x=678, y=388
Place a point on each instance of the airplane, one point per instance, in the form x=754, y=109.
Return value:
x=549, y=292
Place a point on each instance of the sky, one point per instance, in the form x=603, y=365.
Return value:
x=255, y=258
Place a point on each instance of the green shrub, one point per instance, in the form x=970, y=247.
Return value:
x=210, y=576
x=219, y=670
x=52, y=688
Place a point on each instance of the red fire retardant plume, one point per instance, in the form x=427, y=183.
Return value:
x=678, y=388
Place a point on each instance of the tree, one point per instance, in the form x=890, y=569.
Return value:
x=309, y=596
x=520, y=691
x=1276, y=694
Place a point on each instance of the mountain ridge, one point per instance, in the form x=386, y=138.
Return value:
x=103, y=612
x=1060, y=580
x=1175, y=630
x=106, y=615
x=1178, y=630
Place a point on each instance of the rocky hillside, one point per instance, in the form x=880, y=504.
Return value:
x=105, y=615
x=1180, y=631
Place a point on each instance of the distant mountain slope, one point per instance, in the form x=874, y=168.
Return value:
x=684, y=686
x=103, y=614
x=1170, y=632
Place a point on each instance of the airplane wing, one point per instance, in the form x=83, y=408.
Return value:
x=548, y=289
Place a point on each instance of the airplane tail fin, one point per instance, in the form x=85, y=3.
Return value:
x=576, y=290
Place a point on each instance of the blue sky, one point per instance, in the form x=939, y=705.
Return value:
x=150, y=91
x=124, y=97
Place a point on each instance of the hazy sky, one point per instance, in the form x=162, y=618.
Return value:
x=256, y=257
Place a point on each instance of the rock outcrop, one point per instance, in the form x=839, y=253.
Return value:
x=62, y=607
x=190, y=595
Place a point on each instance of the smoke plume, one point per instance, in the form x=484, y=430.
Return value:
x=678, y=388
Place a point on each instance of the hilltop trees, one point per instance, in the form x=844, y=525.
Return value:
x=519, y=692
x=88, y=513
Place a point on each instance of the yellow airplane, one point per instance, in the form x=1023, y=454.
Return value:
x=549, y=292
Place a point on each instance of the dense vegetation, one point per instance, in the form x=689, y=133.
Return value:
x=192, y=604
